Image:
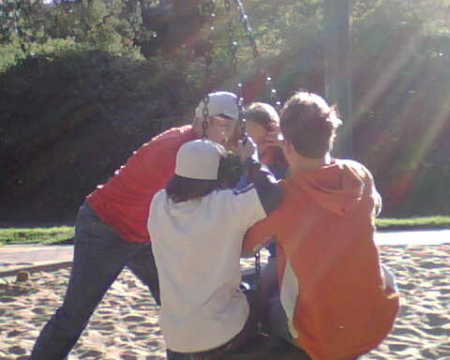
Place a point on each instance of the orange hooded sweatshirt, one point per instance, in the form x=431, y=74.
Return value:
x=331, y=283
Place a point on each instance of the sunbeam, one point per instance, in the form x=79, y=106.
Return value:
x=387, y=76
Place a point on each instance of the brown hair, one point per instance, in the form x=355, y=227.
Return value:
x=309, y=123
x=181, y=189
x=263, y=114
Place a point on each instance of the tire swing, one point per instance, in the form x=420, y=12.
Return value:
x=262, y=347
x=235, y=9
x=209, y=9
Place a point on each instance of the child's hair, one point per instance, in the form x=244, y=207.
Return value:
x=266, y=116
x=181, y=188
x=263, y=114
x=309, y=123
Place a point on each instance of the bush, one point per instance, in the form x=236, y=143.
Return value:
x=69, y=119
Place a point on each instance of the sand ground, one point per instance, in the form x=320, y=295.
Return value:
x=125, y=325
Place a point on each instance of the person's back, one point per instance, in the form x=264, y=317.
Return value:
x=326, y=236
x=199, y=268
x=332, y=288
x=197, y=230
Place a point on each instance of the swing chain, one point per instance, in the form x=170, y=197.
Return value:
x=258, y=264
x=209, y=7
x=227, y=5
x=243, y=17
x=233, y=49
x=240, y=106
x=273, y=94
x=232, y=43
x=205, y=113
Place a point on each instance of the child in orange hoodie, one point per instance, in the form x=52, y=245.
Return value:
x=337, y=300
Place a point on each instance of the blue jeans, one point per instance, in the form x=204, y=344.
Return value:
x=100, y=255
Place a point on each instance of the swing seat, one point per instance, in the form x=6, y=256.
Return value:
x=249, y=277
x=263, y=347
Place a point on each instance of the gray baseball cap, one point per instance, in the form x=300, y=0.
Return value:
x=220, y=103
x=199, y=159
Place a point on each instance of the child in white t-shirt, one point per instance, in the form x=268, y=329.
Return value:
x=197, y=229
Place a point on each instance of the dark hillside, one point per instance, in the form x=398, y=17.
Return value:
x=67, y=124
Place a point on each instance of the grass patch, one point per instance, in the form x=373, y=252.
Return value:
x=47, y=236
x=61, y=234
x=417, y=223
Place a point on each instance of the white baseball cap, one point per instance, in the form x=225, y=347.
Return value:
x=199, y=159
x=220, y=103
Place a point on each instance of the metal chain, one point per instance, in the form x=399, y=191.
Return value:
x=233, y=48
x=232, y=43
x=243, y=17
x=209, y=8
x=258, y=264
x=240, y=106
x=273, y=94
x=205, y=113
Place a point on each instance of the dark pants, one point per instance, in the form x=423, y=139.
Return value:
x=99, y=257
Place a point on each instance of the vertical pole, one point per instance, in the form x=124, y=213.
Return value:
x=338, y=77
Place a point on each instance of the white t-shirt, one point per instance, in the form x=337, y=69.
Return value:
x=197, y=246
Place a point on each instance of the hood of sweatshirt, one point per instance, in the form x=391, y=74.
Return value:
x=338, y=187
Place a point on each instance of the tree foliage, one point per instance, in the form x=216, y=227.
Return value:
x=84, y=82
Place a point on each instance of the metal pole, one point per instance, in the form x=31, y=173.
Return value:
x=338, y=77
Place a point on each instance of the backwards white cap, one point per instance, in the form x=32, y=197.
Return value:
x=199, y=159
x=220, y=103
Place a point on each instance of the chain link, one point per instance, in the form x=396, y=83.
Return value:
x=209, y=7
x=273, y=93
x=244, y=19
x=258, y=264
x=205, y=113
x=233, y=48
x=240, y=106
x=232, y=43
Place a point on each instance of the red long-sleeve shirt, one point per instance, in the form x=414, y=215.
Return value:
x=124, y=201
